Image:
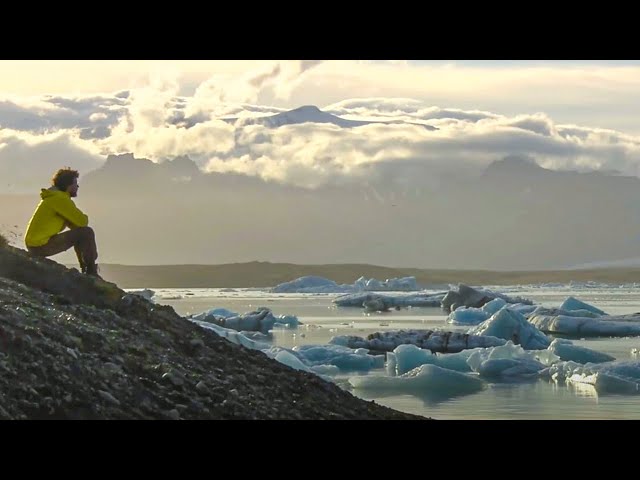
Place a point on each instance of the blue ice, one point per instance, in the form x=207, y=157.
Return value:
x=513, y=326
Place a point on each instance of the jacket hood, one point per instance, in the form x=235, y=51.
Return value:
x=51, y=192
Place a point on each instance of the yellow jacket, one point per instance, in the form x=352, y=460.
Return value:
x=55, y=211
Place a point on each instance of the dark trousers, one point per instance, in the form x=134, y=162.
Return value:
x=82, y=239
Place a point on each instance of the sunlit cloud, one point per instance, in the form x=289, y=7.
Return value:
x=151, y=116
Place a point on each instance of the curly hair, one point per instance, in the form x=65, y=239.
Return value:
x=63, y=178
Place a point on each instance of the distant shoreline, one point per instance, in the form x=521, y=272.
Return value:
x=266, y=274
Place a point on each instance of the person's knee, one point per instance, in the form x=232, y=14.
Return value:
x=86, y=232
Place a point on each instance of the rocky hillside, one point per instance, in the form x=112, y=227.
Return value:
x=72, y=347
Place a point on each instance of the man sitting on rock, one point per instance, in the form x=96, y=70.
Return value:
x=55, y=212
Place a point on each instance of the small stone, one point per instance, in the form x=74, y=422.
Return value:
x=174, y=378
x=173, y=414
x=108, y=397
x=202, y=387
x=112, y=367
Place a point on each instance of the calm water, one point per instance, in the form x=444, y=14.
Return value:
x=530, y=400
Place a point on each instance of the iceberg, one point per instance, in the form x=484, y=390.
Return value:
x=434, y=340
x=513, y=326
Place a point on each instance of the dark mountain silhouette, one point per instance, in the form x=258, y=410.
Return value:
x=311, y=113
x=516, y=215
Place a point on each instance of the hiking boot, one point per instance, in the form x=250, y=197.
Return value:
x=92, y=271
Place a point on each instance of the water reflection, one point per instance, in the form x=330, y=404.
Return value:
x=585, y=390
x=428, y=398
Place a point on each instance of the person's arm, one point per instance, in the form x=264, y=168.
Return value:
x=73, y=215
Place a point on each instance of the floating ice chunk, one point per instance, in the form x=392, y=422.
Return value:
x=509, y=367
x=540, y=310
x=560, y=370
x=522, y=308
x=567, y=351
x=612, y=377
x=146, y=293
x=619, y=326
x=474, y=316
x=512, y=326
x=260, y=320
x=213, y=314
x=572, y=303
x=509, y=361
x=233, y=336
x=290, y=360
x=344, y=358
x=467, y=316
x=312, y=284
x=424, y=379
x=435, y=340
x=222, y=312
x=407, y=357
x=398, y=284
x=387, y=301
x=315, y=284
x=493, y=306
x=472, y=297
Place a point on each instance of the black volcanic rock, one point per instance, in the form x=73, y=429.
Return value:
x=72, y=347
